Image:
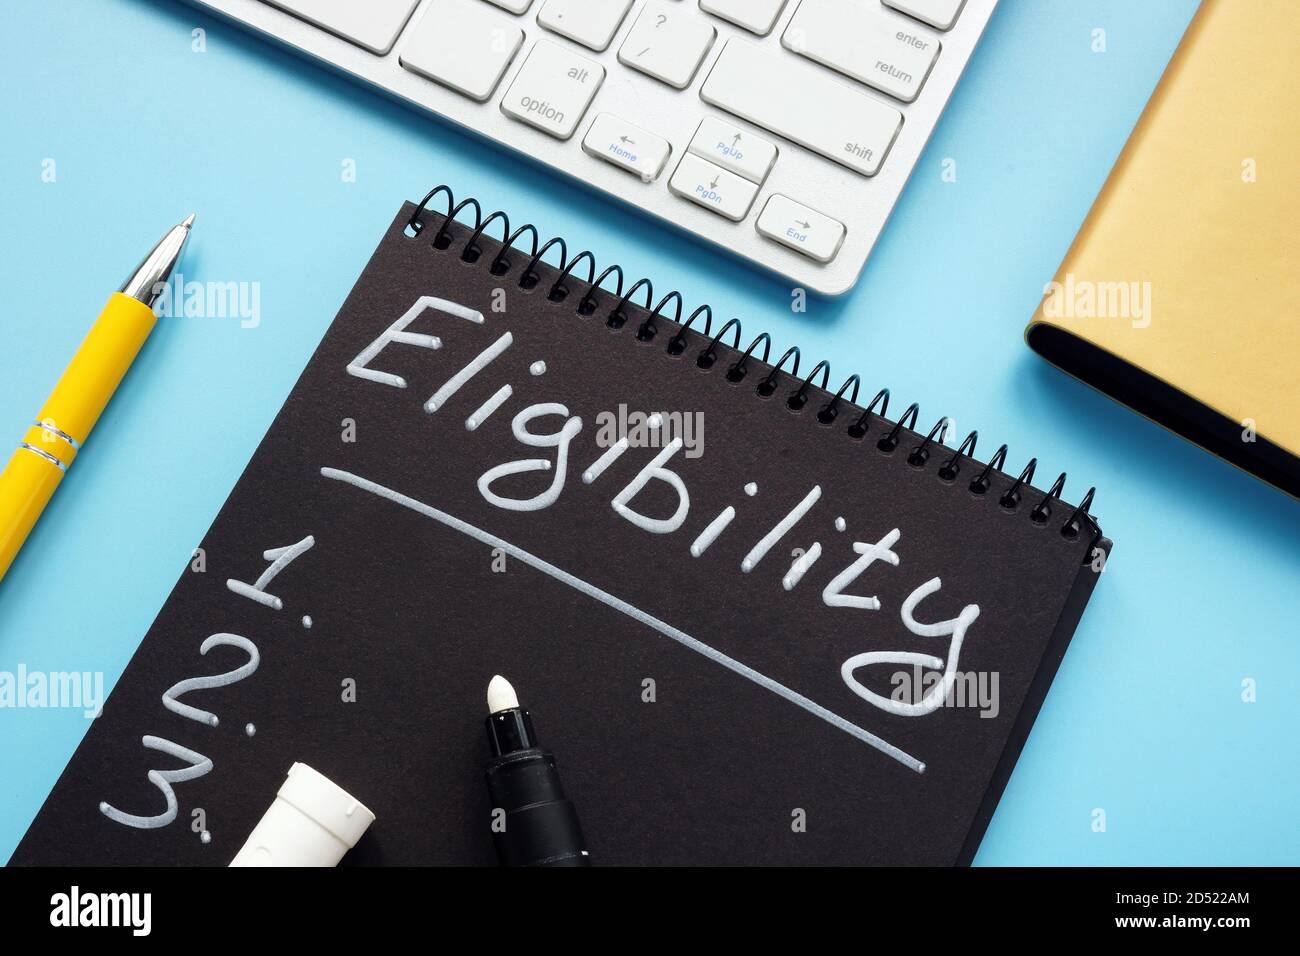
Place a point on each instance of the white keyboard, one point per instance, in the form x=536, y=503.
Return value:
x=781, y=131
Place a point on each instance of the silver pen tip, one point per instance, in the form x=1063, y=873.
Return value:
x=153, y=273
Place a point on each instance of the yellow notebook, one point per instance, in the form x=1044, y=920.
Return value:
x=1180, y=296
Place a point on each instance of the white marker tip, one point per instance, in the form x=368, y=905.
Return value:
x=500, y=695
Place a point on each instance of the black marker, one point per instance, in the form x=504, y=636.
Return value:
x=541, y=825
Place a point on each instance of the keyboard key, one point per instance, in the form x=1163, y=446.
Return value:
x=374, y=25
x=864, y=43
x=802, y=103
x=712, y=187
x=734, y=149
x=940, y=14
x=629, y=147
x=514, y=6
x=462, y=44
x=667, y=43
x=553, y=89
x=756, y=16
x=592, y=23
x=802, y=229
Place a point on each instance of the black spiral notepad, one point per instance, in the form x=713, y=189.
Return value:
x=757, y=620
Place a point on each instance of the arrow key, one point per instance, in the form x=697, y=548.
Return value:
x=629, y=147
x=734, y=149
x=713, y=187
x=805, y=230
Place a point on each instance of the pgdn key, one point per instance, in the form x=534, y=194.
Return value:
x=713, y=187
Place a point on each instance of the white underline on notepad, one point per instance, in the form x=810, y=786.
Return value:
x=667, y=630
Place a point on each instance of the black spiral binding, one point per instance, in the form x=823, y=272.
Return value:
x=919, y=457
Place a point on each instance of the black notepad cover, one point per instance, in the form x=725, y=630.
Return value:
x=671, y=756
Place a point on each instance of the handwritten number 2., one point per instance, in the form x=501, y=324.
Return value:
x=212, y=681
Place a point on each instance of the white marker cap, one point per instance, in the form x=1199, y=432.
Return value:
x=312, y=822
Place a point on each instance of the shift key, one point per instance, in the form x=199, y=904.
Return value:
x=553, y=89
x=803, y=103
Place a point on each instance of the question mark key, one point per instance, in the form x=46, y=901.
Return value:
x=670, y=49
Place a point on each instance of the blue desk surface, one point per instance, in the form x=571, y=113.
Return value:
x=1146, y=720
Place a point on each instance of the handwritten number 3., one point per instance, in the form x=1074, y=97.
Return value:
x=163, y=780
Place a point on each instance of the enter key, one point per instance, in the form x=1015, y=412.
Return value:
x=805, y=230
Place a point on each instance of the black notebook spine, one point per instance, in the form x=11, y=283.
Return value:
x=773, y=379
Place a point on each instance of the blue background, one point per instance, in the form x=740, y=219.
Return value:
x=1145, y=720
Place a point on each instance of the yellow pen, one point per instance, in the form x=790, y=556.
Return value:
x=51, y=443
